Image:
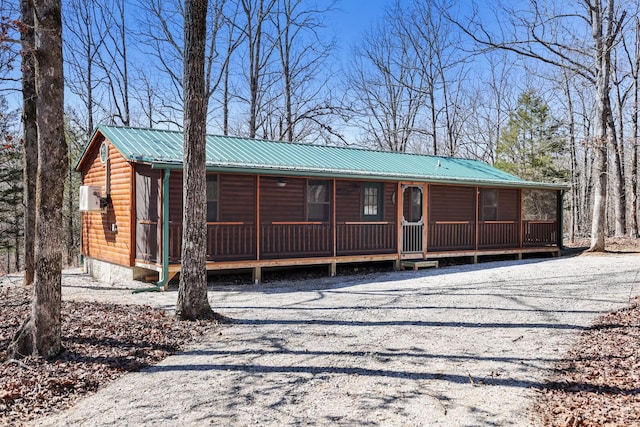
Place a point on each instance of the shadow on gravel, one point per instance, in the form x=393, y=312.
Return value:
x=384, y=356
x=255, y=369
x=420, y=323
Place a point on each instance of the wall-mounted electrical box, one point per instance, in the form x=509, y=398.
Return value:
x=90, y=198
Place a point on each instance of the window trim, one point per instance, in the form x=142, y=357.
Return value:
x=328, y=189
x=494, y=206
x=379, y=187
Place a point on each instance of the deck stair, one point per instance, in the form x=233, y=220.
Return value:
x=421, y=263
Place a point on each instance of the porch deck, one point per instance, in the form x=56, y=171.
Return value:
x=233, y=246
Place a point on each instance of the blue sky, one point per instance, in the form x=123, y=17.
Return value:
x=352, y=18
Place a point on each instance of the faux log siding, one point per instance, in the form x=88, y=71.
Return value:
x=451, y=203
x=175, y=197
x=348, y=201
x=388, y=206
x=98, y=241
x=237, y=198
x=282, y=203
x=455, y=208
x=508, y=204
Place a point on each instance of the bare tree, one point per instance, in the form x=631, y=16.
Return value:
x=387, y=86
x=40, y=334
x=192, y=294
x=84, y=39
x=260, y=45
x=560, y=39
x=163, y=22
x=114, y=60
x=305, y=105
x=10, y=28
x=491, y=96
x=634, y=66
x=30, y=137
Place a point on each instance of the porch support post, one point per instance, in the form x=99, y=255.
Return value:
x=560, y=219
x=333, y=220
x=477, y=224
x=258, y=218
x=425, y=222
x=257, y=275
x=520, y=218
x=399, y=197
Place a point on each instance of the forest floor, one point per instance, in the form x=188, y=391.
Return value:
x=540, y=367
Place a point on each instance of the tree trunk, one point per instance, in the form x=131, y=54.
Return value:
x=126, y=120
x=633, y=226
x=603, y=43
x=192, y=294
x=573, y=160
x=617, y=172
x=30, y=138
x=40, y=335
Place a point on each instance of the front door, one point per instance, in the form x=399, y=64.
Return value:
x=412, y=219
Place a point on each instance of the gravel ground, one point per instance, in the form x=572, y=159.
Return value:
x=465, y=345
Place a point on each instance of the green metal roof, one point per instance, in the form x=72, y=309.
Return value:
x=164, y=149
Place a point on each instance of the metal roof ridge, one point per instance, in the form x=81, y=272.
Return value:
x=293, y=143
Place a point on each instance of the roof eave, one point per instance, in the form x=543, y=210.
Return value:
x=323, y=173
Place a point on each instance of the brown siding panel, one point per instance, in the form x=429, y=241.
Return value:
x=98, y=239
x=348, y=195
x=450, y=203
x=282, y=203
x=508, y=204
x=452, y=217
x=175, y=197
x=389, y=201
x=237, y=197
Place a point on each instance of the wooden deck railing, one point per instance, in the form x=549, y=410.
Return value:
x=498, y=234
x=451, y=235
x=366, y=238
x=225, y=241
x=295, y=239
x=237, y=240
x=540, y=233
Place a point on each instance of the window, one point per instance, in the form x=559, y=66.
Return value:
x=489, y=205
x=212, y=198
x=372, y=201
x=318, y=200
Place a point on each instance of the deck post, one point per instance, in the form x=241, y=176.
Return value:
x=257, y=275
x=476, y=226
x=258, y=237
x=399, y=196
x=333, y=269
x=560, y=219
x=425, y=221
x=334, y=228
x=520, y=219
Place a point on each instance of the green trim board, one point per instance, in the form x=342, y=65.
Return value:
x=163, y=149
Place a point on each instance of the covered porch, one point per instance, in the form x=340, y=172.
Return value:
x=309, y=221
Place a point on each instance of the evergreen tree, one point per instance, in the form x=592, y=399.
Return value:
x=11, y=189
x=532, y=146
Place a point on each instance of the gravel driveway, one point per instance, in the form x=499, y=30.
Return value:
x=466, y=345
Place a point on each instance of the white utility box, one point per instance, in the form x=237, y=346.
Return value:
x=90, y=198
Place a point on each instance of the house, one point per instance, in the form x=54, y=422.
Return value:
x=284, y=204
